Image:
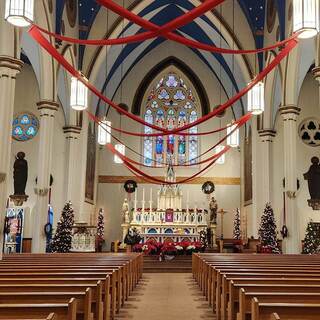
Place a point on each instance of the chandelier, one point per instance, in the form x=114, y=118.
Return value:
x=79, y=95
x=233, y=136
x=121, y=149
x=306, y=18
x=104, y=132
x=19, y=12
x=256, y=99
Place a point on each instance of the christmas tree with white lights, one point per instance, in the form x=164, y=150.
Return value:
x=268, y=231
x=311, y=240
x=237, y=225
x=61, y=242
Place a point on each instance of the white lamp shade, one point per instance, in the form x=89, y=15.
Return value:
x=19, y=12
x=104, y=132
x=121, y=149
x=233, y=136
x=222, y=158
x=306, y=18
x=256, y=99
x=79, y=95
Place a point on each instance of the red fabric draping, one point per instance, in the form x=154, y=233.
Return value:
x=141, y=173
x=36, y=35
x=136, y=134
x=240, y=123
x=166, y=30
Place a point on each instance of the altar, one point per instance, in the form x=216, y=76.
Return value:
x=168, y=221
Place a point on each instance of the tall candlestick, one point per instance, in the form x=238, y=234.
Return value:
x=150, y=200
x=188, y=200
x=143, y=199
x=135, y=201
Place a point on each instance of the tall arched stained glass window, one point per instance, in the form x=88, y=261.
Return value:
x=170, y=103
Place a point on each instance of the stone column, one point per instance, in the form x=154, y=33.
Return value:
x=9, y=67
x=72, y=134
x=289, y=115
x=266, y=137
x=47, y=111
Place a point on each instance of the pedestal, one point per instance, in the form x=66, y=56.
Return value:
x=125, y=228
x=18, y=199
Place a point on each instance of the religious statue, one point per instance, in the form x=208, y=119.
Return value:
x=213, y=206
x=313, y=177
x=20, y=174
x=125, y=212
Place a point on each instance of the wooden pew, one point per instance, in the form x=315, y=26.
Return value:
x=96, y=290
x=245, y=299
x=274, y=316
x=63, y=311
x=83, y=299
x=286, y=311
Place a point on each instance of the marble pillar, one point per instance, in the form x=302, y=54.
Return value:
x=9, y=68
x=72, y=134
x=289, y=115
x=47, y=111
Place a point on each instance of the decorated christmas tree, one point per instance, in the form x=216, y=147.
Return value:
x=311, y=239
x=61, y=242
x=100, y=230
x=237, y=226
x=268, y=231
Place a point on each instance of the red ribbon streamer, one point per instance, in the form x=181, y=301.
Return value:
x=135, y=134
x=123, y=12
x=141, y=173
x=36, y=35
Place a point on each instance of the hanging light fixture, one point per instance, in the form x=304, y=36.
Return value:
x=256, y=99
x=121, y=149
x=306, y=17
x=233, y=136
x=19, y=12
x=222, y=158
x=79, y=95
x=104, y=132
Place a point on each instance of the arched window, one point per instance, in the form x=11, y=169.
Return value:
x=170, y=104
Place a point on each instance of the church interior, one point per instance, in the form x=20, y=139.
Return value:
x=159, y=159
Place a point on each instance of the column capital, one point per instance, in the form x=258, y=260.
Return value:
x=47, y=107
x=316, y=73
x=267, y=135
x=289, y=112
x=11, y=63
x=72, y=131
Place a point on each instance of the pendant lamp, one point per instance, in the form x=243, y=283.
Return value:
x=256, y=99
x=233, y=136
x=104, y=132
x=306, y=18
x=121, y=149
x=79, y=95
x=19, y=12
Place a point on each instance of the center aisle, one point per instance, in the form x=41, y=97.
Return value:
x=166, y=296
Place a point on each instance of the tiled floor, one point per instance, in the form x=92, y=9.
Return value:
x=166, y=296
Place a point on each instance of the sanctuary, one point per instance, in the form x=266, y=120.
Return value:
x=168, y=221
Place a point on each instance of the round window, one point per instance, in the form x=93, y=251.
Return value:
x=309, y=132
x=25, y=126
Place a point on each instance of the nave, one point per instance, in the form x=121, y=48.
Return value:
x=161, y=296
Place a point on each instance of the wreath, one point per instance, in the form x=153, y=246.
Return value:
x=208, y=187
x=130, y=186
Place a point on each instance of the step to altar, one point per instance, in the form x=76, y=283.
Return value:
x=179, y=264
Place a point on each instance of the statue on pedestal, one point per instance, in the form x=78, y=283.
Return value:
x=20, y=174
x=213, y=206
x=20, y=177
x=125, y=212
x=313, y=177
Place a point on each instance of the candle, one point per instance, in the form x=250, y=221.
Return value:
x=150, y=199
x=135, y=200
x=143, y=199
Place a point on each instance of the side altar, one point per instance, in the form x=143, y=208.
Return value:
x=168, y=221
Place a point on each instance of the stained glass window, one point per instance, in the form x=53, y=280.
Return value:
x=170, y=104
x=25, y=126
